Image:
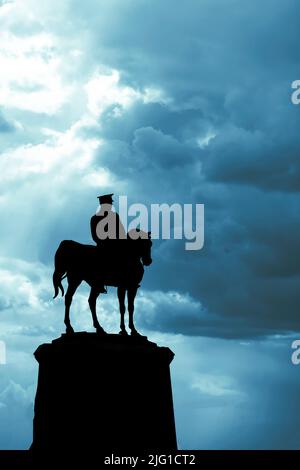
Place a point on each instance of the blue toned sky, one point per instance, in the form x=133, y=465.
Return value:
x=162, y=101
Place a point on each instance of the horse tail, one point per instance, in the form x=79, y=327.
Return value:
x=60, y=269
x=57, y=278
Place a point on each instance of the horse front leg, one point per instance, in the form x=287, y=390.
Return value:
x=121, y=297
x=131, y=293
x=92, y=303
x=73, y=284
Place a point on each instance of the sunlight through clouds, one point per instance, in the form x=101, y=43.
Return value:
x=30, y=76
x=104, y=90
x=140, y=98
x=216, y=386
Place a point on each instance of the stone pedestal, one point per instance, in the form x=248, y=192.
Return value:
x=103, y=394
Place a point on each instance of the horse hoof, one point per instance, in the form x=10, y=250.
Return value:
x=134, y=332
x=100, y=331
x=69, y=330
x=123, y=333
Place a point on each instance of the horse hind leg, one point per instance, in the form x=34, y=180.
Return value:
x=73, y=284
x=92, y=303
x=121, y=297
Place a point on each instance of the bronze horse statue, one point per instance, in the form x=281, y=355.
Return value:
x=120, y=265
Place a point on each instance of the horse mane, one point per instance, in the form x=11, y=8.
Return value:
x=135, y=233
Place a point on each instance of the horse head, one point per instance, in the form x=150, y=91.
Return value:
x=144, y=244
x=145, y=247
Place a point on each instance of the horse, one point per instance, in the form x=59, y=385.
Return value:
x=120, y=265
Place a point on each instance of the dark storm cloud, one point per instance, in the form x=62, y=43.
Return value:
x=266, y=157
x=227, y=137
x=232, y=71
x=221, y=131
x=252, y=385
x=150, y=149
x=183, y=124
x=200, y=52
x=248, y=271
x=226, y=72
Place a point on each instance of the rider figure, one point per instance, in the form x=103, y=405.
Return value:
x=105, y=227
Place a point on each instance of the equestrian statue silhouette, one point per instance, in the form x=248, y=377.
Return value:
x=118, y=260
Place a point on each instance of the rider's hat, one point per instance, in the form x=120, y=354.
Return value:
x=106, y=198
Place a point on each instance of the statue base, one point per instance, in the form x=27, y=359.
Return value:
x=102, y=394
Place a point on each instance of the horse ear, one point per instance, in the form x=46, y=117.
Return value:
x=149, y=235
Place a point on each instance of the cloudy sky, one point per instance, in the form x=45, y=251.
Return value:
x=186, y=102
